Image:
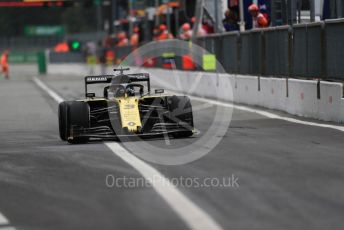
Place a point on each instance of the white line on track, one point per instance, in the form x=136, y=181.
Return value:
x=4, y=223
x=188, y=211
x=52, y=94
x=193, y=216
x=267, y=114
x=3, y=220
x=263, y=113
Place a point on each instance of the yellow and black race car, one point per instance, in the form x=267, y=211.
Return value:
x=127, y=108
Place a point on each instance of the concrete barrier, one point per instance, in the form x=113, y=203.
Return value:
x=303, y=98
x=270, y=93
x=331, y=103
x=273, y=94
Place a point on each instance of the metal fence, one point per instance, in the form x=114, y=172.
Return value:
x=310, y=51
x=334, y=56
x=314, y=50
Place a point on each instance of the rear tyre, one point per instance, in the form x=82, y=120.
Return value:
x=73, y=114
x=181, y=111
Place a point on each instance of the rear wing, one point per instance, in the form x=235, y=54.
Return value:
x=117, y=79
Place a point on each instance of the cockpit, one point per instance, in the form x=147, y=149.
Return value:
x=122, y=90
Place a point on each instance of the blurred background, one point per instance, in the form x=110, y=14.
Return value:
x=89, y=31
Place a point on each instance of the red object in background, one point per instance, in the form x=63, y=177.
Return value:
x=167, y=63
x=261, y=21
x=109, y=56
x=253, y=8
x=164, y=36
x=233, y=3
x=135, y=37
x=62, y=47
x=207, y=28
x=123, y=40
x=188, y=63
x=20, y=4
x=4, y=63
x=33, y=4
x=149, y=62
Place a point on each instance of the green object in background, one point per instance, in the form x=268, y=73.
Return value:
x=75, y=45
x=44, y=30
x=168, y=55
x=209, y=62
x=97, y=2
x=42, y=65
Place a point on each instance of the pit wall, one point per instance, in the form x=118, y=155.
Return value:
x=302, y=99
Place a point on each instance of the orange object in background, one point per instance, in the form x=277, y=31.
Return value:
x=4, y=64
x=188, y=63
x=109, y=57
x=134, y=40
x=259, y=20
x=135, y=37
x=62, y=47
x=163, y=8
x=122, y=39
x=164, y=34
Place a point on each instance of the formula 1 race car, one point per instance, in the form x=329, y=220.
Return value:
x=127, y=108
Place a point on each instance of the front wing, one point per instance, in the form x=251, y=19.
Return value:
x=158, y=130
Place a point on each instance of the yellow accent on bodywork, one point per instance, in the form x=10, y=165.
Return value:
x=130, y=115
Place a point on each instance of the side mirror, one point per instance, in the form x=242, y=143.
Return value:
x=158, y=91
x=91, y=95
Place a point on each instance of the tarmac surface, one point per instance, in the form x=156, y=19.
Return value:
x=284, y=175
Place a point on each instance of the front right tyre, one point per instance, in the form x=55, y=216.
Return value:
x=73, y=114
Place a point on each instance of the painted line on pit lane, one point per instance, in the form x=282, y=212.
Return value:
x=4, y=223
x=194, y=217
x=262, y=112
x=267, y=114
x=3, y=220
x=51, y=93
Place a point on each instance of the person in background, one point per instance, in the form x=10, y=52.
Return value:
x=164, y=34
x=4, y=64
x=101, y=53
x=90, y=55
x=122, y=39
x=155, y=33
x=230, y=23
x=208, y=26
x=263, y=8
x=259, y=20
x=135, y=37
x=201, y=30
x=186, y=32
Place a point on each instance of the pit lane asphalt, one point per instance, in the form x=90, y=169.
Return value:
x=290, y=176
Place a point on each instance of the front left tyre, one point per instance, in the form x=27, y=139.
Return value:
x=180, y=111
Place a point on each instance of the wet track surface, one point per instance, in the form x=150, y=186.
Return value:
x=290, y=176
